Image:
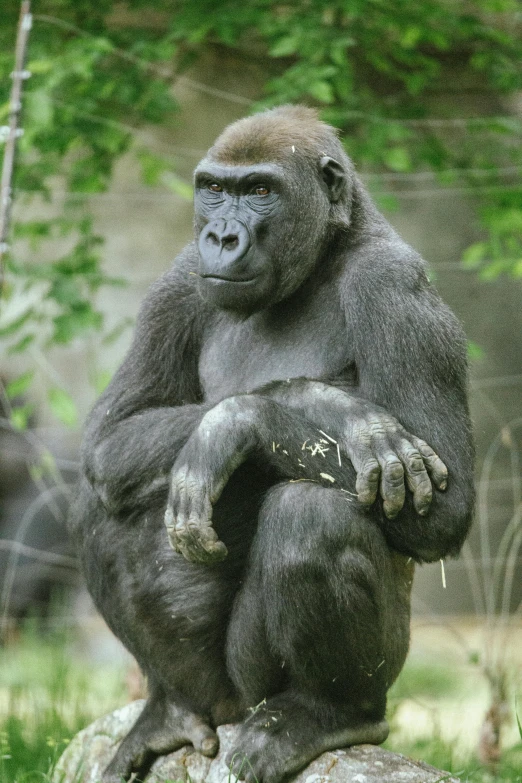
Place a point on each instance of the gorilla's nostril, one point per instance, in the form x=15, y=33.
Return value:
x=230, y=242
x=212, y=239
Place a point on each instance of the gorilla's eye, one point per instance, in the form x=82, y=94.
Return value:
x=215, y=188
x=261, y=190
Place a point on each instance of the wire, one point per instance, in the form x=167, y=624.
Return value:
x=161, y=71
x=500, y=380
x=420, y=175
x=169, y=73
x=195, y=153
x=442, y=191
x=399, y=194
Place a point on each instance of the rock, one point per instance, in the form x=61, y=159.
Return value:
x=91, y=750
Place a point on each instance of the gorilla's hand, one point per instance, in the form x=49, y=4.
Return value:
x=386, y=457
x=216, y=448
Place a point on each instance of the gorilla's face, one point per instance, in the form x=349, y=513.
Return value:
x=259, y=228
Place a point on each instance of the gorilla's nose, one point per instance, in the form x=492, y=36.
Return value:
x=222, y=245
x=228, y=242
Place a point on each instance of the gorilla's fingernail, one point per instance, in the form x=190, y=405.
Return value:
x=443, y=484
x=423, y=512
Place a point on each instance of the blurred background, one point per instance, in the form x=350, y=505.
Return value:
x=119, y=102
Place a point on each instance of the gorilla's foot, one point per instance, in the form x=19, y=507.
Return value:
x=283, y=736
x=161, y=728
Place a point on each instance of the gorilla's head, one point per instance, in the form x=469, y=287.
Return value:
x=270, y=194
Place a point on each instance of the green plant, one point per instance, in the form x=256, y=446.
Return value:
x=49, y=695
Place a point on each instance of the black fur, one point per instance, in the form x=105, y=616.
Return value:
x=266, y=415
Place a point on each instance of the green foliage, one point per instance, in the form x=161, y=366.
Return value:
x=475, y=351
x=63, y=407
x=80, y=107
x=19, y=385
x=501, y=250
x=49, y=695
x=102, y=70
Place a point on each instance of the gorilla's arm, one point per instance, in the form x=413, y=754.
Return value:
x=410, y=353
x=153, y=402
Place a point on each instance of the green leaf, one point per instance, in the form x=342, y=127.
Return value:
x=410, y=37
x=63, y=407
x=152, y=167
x=80, y=318
x=475, y=351
x=285, y=46
x=474, y=254
x=39, y=108
x=387, y=201
x=20, y=416
x=22, y=344
x=178, y=186
x=397, y=159
x=102, y=380
x=321, y=91
x=19, y=385
x=45, y=467
x=14, y=326
x=65, y=290
x=494, y=269
x=39, y=66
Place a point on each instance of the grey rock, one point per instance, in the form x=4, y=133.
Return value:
x=91, y=750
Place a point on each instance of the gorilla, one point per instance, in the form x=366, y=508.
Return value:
x=287, y=436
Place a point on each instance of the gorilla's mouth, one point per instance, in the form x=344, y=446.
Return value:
x=223, y=279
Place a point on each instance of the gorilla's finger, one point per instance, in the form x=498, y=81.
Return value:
x=186, y=535
x=393, y=491
x=197, y=541
x=210, y=542
x=367, y=482
x=433, y=462
x=416, y=477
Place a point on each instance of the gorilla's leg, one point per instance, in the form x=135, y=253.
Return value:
x=172, y=615
x=320, y=630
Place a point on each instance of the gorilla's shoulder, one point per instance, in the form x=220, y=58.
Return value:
x=386, y=260
x=179, y=278
x=175, y=290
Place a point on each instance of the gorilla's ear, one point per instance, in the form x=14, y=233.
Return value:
x=333, y=176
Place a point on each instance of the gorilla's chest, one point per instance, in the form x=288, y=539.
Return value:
x=241, y=355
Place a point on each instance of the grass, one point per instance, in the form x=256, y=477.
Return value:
x=434, y=685
x=48, y=692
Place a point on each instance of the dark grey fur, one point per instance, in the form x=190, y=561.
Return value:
x=286, y=602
